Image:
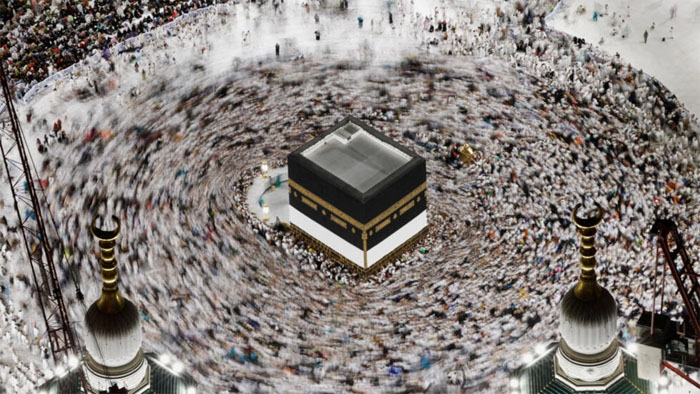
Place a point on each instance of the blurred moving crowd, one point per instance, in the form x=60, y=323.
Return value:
x=554, y=118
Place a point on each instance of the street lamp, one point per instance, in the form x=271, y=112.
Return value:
x=178, y=367
x=73, y=361
x=264, y=168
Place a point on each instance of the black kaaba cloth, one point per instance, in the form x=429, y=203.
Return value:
x=358, y=193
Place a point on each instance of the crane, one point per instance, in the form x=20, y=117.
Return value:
x=676, y=342
x=32, y=227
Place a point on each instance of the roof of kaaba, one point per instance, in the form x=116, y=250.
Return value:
x=163, y=380
x=539, y=378
x=356, y=158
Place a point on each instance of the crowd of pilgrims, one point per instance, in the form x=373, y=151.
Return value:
x=39, y=37
x=251, y=309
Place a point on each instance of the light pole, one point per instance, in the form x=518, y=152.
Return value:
x=264, y=168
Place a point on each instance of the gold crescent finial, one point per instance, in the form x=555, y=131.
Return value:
x=110, y=301
x=587, y=287
x=104, y=235
x=587, y=222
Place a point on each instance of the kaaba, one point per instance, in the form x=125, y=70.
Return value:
x=357, y=195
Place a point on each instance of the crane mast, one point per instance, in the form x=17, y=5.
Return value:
x=31, y=225
x=670, y=344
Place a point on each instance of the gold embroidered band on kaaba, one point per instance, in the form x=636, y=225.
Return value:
x=338, y=221
x=344, y=216
x=406, y=207
x=309, y=203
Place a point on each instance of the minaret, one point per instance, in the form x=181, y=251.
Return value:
x=113, y=341
x=589, y=354
x=110, y=301
x=588, y=358
x=114, y=361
